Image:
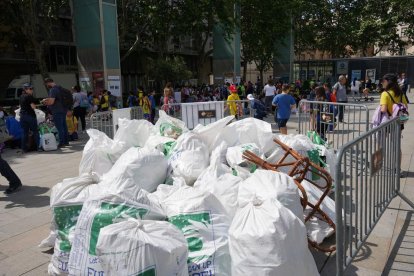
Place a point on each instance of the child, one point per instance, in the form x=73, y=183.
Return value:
x=146, y=107
x=232, y=104
x=72, y=124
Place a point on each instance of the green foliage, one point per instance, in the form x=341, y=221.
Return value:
x=346, y=27
x=264, y=24
x=33, y=21
x=154, y=24
x=171, y=69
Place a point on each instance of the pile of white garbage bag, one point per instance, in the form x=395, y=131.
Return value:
x=163, y=200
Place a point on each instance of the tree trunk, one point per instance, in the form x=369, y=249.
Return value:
x=244, y=70
x=261, y=76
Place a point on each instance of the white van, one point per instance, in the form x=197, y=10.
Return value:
x=15, y=88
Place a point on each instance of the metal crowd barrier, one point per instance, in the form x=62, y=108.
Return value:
x=206, y=112
x=367, y=179
x=324, y=118
x=103, y=121
x=137, y=113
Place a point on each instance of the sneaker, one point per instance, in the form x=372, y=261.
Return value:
x=13, y=190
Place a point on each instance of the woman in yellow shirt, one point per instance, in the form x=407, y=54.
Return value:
x=392, y=94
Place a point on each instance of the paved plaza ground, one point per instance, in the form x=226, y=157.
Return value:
x=25, y=216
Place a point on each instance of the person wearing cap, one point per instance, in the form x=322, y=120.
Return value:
x=55, y=104
x=258, y=106
x=339, y=92
x=231, y=104
x=28, y=120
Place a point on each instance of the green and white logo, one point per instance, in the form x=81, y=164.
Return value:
x=109, y=214
x=66, y=218
x=198, y=230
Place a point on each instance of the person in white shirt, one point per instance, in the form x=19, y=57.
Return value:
x=270, y=91
x=355, y=86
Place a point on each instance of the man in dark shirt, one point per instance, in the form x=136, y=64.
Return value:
x=28, y=120
x=55, y=103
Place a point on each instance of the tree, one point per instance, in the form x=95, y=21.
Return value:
x=264, y=24
x=171, y=69
x=146, y=24
x=348, y=27
x=34, y=19
x=152, y=24
x=197, y=19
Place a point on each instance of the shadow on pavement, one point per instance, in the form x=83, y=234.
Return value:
x=28, y=197
x=401, y=258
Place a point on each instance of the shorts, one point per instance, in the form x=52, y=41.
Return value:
x=282, y=122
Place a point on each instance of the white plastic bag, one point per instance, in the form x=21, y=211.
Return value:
x=157, y=142
x=142, y=247
x=66, y=201
x=137, y=168
x=249, y=130
x=40, y=115
x=189, y=158
x=317, y=229
x=134, y=133
x=169, y=126
x=100, y=153
x=219, y=180
x=48, y=142
x=210, y=132
x=268, y=185
x=163, y=191
x=204, y=222
x=95, y=215
x=242, y=167
x=300, y=143
x=266, y=238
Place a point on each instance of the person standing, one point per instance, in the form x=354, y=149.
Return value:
x=270, y=91
x=80, y=105
x=258, y=107
x=58, y=109
x=339, y=91
x=391, y=95
x=403, y=83
x=28, y=120
x=323, y=117
x=232, y=104
x=355, y=86
x=284, y=103
x=104, y=101
x=152, y=100
x=132, y=99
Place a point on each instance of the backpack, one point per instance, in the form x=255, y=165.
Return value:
x=379, y=117
x=399, y=110
x=260, y=108
x=66, y=96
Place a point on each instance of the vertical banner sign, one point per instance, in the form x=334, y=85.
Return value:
x=356, y=74
x=342, y=67
x=114, y=85
x=370, y=74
